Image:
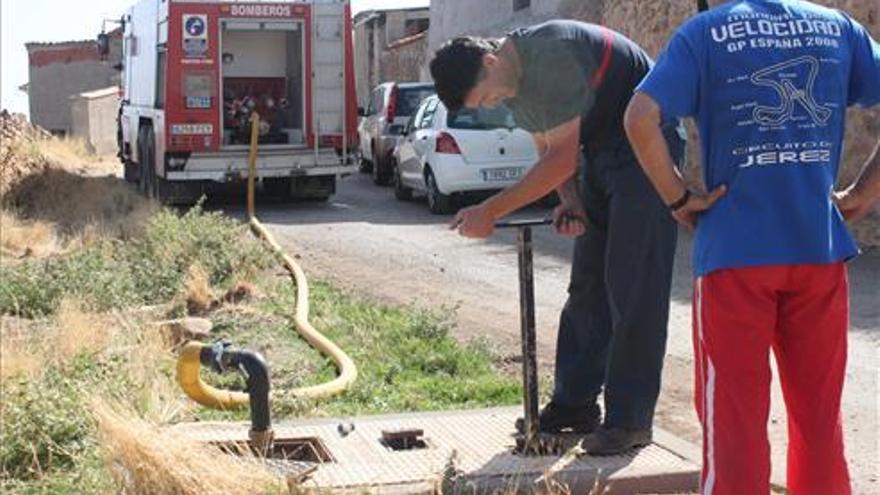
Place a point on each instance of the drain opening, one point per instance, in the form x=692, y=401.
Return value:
x=307, y=449
x=410, y=439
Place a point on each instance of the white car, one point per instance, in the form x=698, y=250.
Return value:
x=391, y=106
x=446, y=155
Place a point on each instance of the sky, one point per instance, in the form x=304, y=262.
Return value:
x=23, y=21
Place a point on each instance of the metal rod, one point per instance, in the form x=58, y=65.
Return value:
x=529, y=361
x=533, y=222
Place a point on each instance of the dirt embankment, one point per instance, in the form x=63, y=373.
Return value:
x=54, y=193
x=651, y=23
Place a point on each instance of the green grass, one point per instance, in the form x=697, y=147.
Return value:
x=406, y=358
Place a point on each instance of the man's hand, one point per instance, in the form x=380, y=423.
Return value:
x=852, y=205
x=476, y=222
x=689, y=214
x=855, y=201
x=570, y=220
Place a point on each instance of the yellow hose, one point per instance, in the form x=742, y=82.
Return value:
x=188, y=365
x=344, y=364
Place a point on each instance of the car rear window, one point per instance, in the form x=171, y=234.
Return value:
x=410, y=98
x=481, y=118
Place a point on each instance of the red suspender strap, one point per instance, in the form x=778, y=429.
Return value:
x=599, y=76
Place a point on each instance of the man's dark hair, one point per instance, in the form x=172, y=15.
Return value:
x=702, y=5
x=457, y=67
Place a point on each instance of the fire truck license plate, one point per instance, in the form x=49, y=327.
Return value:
x=502, y=174
x=198, y=102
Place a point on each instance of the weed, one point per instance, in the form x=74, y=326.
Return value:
x=146, y=270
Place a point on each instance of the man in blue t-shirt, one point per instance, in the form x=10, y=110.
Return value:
x=768, y=82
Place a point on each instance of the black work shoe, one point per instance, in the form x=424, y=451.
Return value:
x=555, y=418
x=614, y=441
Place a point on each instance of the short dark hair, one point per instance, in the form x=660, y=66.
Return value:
x=457, y=66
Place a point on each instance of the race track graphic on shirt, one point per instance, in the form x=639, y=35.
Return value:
x=794, y=81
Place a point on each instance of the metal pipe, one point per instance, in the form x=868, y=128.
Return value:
x=531, y=441
x=222, y=359
x=529, y=363
x=256, y=373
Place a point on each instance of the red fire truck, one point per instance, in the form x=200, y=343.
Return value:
x=195, y=70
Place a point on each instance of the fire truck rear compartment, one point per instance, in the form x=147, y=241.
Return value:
x=262, y=71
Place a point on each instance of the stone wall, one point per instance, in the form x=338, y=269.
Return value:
x=403, y=60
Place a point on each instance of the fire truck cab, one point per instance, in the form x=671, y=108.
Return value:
x=193, y=73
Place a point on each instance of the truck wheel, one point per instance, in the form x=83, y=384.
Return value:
x=314, y=188
x=438, y=203
x=143, y=170
x=401, y=192
x=157, y=188
x=130, y=171
x=150, y=162
x=279, y=188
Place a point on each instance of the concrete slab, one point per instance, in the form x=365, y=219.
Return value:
x=469, y=452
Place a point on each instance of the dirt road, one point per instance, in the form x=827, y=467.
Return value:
x=398, y=252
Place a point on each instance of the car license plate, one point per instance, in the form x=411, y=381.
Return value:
x=502, y=174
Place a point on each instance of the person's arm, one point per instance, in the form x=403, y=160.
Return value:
x=856, y=201
x=643, y=127
x=557, y=164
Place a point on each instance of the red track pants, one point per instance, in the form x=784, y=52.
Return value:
x=802, y=313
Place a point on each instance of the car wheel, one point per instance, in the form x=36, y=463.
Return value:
x=438, y=203
x=401, y=192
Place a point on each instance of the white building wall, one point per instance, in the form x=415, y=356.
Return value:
x=94, y=119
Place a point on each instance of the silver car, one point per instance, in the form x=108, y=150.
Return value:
x=391, y=106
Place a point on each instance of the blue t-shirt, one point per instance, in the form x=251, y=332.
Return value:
x=768, y=82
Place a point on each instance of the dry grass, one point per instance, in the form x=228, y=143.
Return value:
x=76, y=202
x=148, y=459
x=19, y=352
x=197, y=291
x=20, y=238
x=26, y=349
x=50, y=184
x=76, y=330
